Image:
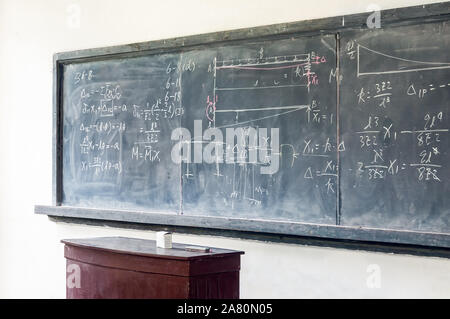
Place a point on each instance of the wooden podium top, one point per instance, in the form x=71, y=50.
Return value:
x=146, y=248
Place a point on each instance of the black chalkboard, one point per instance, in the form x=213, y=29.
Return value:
x=110, y=159
x=322, y=128
x=394, y=101
x=120, y=114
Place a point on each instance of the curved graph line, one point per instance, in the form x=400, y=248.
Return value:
x=402, y=59
x=433, y=65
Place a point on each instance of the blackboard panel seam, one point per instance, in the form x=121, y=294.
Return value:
x=264, y=226
x=338, y=134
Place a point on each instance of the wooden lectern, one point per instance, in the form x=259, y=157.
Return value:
x=118, y=267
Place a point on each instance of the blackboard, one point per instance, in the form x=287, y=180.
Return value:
x=320, y=129
x=119, y=117
x=395, y=104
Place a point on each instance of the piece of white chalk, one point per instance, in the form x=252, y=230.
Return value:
x=198, y=249
x=163, y=239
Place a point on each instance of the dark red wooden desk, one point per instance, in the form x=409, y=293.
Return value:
x=118, y=267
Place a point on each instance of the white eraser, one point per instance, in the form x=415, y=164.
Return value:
x=163, y=239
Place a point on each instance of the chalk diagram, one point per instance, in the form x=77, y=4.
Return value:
x=254, y=89
x=274, y=73
x=391, y=64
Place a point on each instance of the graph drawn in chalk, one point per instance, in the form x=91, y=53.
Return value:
x=392, y=64
x=260, y=109
x=249, y=79
x=292, y=109
x=273, y=72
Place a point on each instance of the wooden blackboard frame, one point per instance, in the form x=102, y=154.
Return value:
x=334, y=25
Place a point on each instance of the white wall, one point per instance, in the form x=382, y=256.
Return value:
x=31, y=257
